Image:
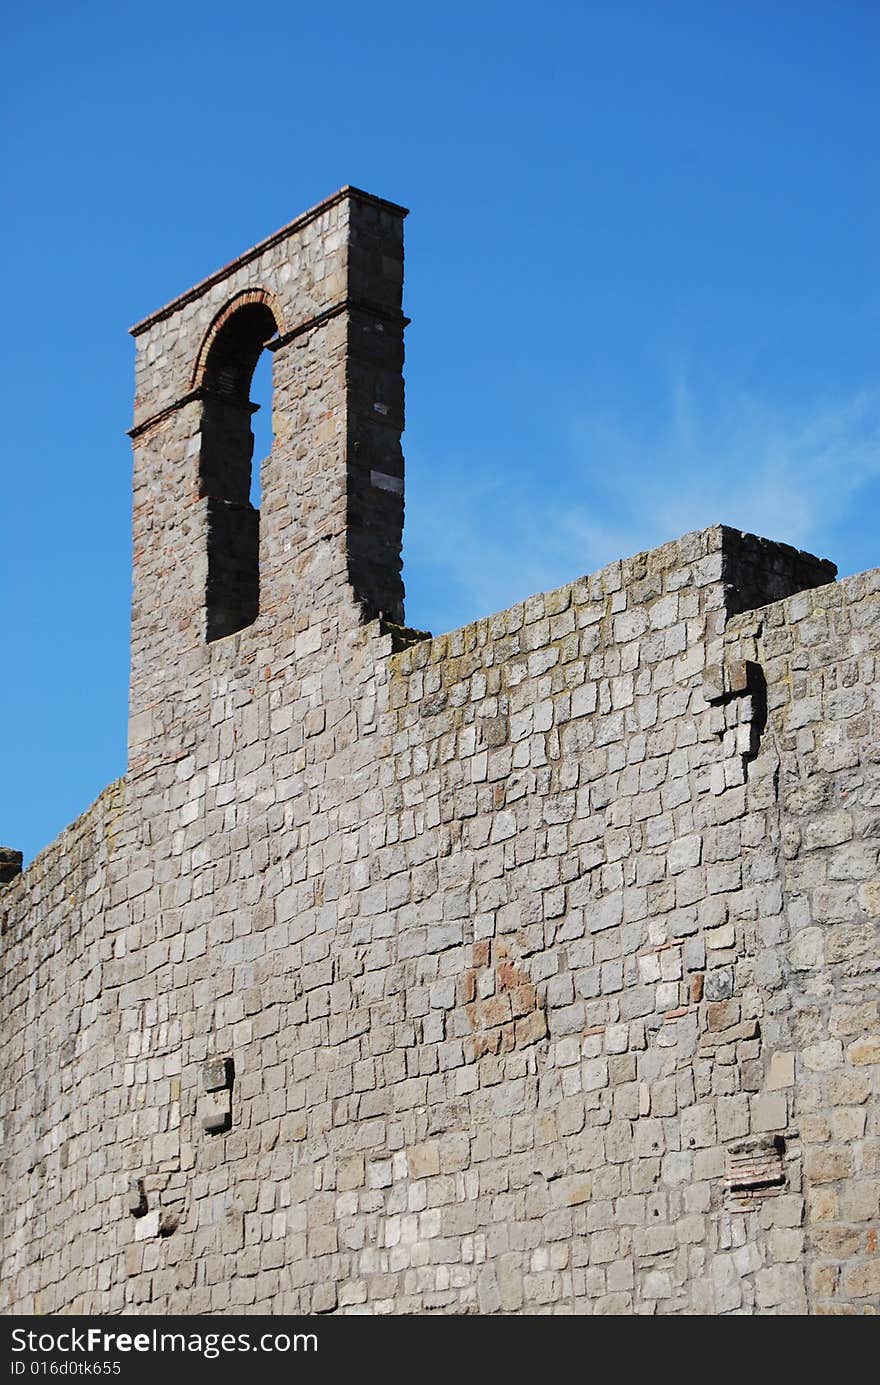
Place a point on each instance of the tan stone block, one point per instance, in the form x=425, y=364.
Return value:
x=296, y=1125
x=455, y=1153
x=807, y=949
x=523, y=1000
x=322, y=1240
x=722, y=1014
x=852, y=1019
x=786, y=1210
x=865, y=1050
x=424, y=1160
x=823, y=1056
x=780, y=1072
x=862, y=1281
x=493, y=1011
x=166, y=1147
x=848, y=1123
x=324, y=1297
x=351, y=1173
x=531, y=1028
x=786, y=1244
x=575, y=1189
x=545, y=1128
x=815, y=1128
x=869, y=897
x=823, y=1204
x=510, y=1283
x=827, y=1165
x=870, y=1156
x=769, y=1111
x=721, y=938
x=837, y=1242
x=823, y=1279
x=861, y=1200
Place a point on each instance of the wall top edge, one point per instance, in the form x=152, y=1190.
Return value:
x=297, y=224
x=726, y=556
x=109, y=801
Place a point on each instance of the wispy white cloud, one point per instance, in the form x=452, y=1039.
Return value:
x=480, y=538
x=738, y=459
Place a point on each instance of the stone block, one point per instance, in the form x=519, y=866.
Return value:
x=216, y=1111
x=769, y=1111
x=864, y=1050
x=780, y=1071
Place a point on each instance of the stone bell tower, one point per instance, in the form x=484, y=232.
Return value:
x=323, y=295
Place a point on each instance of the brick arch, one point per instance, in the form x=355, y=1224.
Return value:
x=248, y=299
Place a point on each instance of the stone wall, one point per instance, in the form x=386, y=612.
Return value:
x=60, y=1037
x=526, y=969
x=816, y=958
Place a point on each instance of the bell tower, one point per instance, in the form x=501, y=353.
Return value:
x=323, y=295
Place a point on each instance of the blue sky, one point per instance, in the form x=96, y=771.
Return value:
x=641, y=267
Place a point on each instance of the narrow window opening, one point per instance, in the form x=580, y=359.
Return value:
x=228, y=479
x=261, y=423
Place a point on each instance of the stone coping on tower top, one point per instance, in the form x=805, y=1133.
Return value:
x=296, y=225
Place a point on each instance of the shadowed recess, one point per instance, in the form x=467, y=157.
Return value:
x=232, y=597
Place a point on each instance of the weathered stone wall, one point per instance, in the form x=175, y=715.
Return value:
x=60, y=1039
x=815, y=959
x=525, y=969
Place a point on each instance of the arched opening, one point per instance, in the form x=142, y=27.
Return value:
x=232, y=596
x=261, y=422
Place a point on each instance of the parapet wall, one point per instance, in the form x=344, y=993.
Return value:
x=529, y=969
